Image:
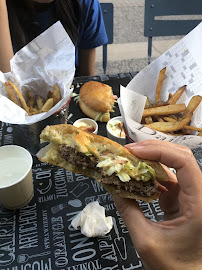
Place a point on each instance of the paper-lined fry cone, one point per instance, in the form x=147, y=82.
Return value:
x=47, y=62
x=183, y=63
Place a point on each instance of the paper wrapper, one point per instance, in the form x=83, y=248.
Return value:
x=45, y=61
x=183, y=64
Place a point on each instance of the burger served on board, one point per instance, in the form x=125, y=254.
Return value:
x=111, y=164
x=96, y=100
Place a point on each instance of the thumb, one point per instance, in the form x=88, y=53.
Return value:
x=137, y=224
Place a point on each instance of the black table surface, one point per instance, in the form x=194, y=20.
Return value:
x=40, y=237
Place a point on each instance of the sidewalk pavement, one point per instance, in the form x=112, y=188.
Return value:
x=118, y=52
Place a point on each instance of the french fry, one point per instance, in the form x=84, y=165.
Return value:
x=29, y=95
x=34, y=104
x=193, y=128
x=185, y=132
x=170, y=133
x=35, y=110
x=159, y=104
x=148, y=119
x=20, y=96
x=56, y=94
x=50, y=94
x=147, y=103
x=186, y=127
x=169, y=119
x=47, y=105
x=169, y=96
x=174, y=116
x=177, y=95
x=159, y=84
x=170, y=126
x=193, y=104
x=158, y=118
x=168, y=116
x=11, y=94
x=164, y=110
x=30, y=101
x=39, y=102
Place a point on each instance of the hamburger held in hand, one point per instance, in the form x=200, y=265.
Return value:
x=111, y=164
x=96, y=100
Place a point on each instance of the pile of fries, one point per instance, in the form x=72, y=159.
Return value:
x=35, y=104
x=167, y=116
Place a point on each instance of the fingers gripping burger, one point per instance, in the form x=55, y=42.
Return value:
x=96, y=100
x=111, y=164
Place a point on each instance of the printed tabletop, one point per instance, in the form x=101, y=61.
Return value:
x=40, y=236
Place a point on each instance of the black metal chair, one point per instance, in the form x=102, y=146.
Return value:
x=154, y=27
x=108, y=16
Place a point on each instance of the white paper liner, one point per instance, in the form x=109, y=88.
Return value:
x=45, y=61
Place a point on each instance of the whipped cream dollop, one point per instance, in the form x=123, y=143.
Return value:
x=92, y=220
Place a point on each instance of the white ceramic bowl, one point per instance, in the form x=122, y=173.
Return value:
x=86, y=122
x=114, y=133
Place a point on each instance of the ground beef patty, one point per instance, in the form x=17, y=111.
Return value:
x=145, y=189
x=77, y=158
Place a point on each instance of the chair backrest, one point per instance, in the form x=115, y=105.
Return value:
x=108, y=16
x=154, y=26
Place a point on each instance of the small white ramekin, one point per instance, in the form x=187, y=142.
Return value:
x=88, y=121
x=110, y=135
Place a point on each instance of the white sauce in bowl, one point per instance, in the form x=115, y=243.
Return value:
x=116, y=128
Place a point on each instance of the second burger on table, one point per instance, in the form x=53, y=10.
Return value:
x=96, y=100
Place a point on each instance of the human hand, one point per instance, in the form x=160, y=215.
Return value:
x=175, y=243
